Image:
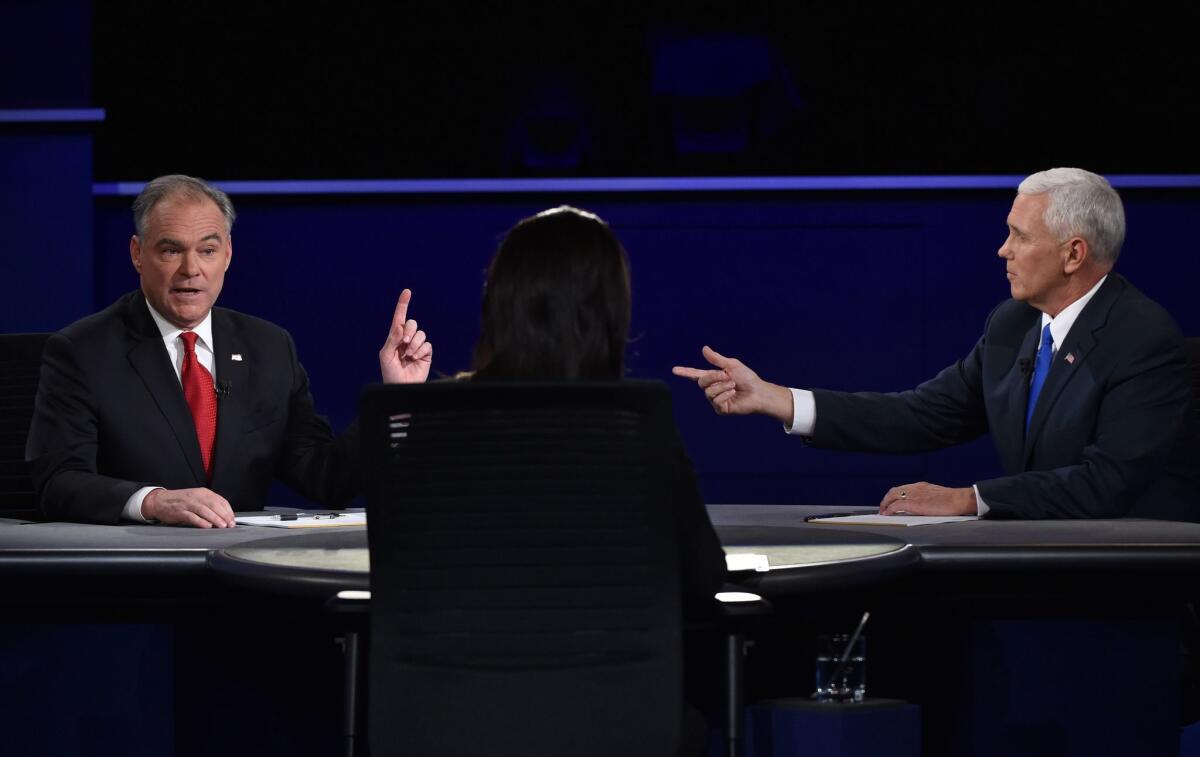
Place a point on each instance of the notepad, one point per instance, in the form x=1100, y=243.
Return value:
x=892, y=520
x=304, y=521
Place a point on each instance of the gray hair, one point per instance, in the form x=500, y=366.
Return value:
x=179, y=185
x=1081, y=204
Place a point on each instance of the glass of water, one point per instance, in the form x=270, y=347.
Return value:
x=841, y=668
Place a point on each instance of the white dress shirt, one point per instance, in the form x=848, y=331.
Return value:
x=204, y=353
x=804, y=405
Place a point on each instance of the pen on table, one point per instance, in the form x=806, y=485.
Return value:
x=822, y=516
x=287, y=516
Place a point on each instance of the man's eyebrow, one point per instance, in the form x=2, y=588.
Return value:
x=168, y=242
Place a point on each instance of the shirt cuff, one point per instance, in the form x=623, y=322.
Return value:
x=981, y=507
x=133, y=506
x=804, y=413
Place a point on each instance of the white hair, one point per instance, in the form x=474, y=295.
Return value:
x=1081, y=204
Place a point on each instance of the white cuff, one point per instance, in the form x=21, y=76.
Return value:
x=804, y=413
x=133, y=506
x=981, y=507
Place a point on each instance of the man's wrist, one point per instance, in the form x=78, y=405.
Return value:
x=780, y=407
x=149, y=510
x=981, y=507
x=133, y=510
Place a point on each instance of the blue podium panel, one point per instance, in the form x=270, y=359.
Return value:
x=1070, y=688
x=804, y=728
x=103, y=688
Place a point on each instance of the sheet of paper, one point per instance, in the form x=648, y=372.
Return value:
x=747, y=561
x=892, y=520
x=304, y=521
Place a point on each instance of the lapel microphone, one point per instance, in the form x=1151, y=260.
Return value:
x=223, y=389
x=1026, y=364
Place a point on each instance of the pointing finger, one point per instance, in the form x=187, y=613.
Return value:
x=401, y=314
x=685, y=372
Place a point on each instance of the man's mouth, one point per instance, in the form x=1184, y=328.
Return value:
x=186, y=291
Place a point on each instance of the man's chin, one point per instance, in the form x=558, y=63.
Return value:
x=187, y=316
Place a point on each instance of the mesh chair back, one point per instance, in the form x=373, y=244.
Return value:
x=20, y=364
x=525, y=588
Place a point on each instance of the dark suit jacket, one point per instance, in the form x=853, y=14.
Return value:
x=1102, y=433
x=110, y=417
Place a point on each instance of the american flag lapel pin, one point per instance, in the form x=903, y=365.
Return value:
x=237, y=357
x=1070, y=358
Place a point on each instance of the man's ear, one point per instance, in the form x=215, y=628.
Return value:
x=135, y=253
x=1077, y=253
x=229, y=255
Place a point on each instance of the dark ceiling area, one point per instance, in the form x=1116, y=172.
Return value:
x=236, y=90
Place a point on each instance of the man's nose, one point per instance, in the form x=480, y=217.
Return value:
x=189, y=264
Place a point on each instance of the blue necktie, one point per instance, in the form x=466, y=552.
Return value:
x=1040, y=370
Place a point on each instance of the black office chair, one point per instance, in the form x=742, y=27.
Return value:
x=1191, y=353
x=20, y=365
x=524, y=570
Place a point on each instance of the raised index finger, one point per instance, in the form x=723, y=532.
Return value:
x=401, y=309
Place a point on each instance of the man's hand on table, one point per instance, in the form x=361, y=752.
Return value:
x=202, y=508
x=928, y=499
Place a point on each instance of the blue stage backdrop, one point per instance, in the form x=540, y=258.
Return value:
x=854, y=290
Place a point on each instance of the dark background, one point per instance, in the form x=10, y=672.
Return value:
x=229, y=90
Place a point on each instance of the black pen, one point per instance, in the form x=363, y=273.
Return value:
x=831, y=515
x=287, y=516
x=834, y=515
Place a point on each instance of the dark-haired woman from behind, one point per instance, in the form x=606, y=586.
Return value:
x=557, y=306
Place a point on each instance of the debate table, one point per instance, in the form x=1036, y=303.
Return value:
x=1030, y=594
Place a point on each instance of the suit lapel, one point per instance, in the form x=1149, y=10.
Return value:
x=231, y=355
x=149, y=359
x=1072, y=354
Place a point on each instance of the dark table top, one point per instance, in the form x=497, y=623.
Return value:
x=800, y=556
x=1030, y=545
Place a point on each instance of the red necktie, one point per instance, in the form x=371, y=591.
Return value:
x=201, y=398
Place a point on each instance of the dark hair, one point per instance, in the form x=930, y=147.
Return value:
x=557, y=301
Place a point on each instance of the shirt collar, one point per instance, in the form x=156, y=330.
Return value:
x=1061, y=324
x=170, y=332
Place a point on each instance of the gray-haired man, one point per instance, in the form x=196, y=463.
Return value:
x=1079, y=378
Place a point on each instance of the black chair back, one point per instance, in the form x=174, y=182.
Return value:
x=20, y=366
x=524, y=569
x=1191, y=352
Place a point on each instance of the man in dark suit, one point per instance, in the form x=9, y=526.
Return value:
x=165, y=408
x=1080, y=379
